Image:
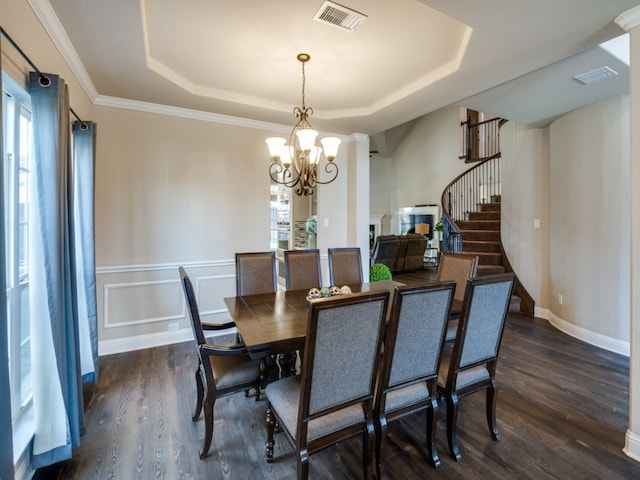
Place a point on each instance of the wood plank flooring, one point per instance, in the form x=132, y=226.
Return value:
x=562, y=413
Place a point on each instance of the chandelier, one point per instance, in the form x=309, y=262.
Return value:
x=296, y=164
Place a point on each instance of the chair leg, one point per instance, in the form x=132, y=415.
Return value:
x=492, y=395
x=368, y=448
x=209, y=402
x=302, y=466
x=452, y=417
x=381, y=443
x=432, y=411
x=200, y=390
x=271, y=424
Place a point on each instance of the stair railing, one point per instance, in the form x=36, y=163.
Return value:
x=464, y=194
x=480, y=140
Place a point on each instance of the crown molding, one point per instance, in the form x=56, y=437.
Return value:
x=629, y=19
x=59, y=37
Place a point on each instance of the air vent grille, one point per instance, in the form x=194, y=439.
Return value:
x=596, y=75
x=339, y=16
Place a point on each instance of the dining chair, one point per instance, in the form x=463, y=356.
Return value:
x=221, y=371
x=332, y=399
x=255, y=273
x=456, y=267
x=302, y=269
x=471, y=365
x=413, y=344
x=345, y=266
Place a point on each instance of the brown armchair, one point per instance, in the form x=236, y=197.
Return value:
x=385, y=250
x=416, y=246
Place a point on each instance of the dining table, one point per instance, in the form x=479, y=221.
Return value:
x=276, y=323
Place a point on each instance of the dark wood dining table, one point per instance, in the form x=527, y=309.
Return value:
x=276, y=323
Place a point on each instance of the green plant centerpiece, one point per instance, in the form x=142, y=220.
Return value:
x=379, y=272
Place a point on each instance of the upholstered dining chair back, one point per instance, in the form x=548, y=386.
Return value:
x=412, y=349
x=255, y=273
x=302, y=269
x=221, y=370
x=332, y=399
x=471, y=365
x=345, y=266
x=458, y=268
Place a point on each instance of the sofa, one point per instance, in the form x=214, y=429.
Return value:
x=401, y=253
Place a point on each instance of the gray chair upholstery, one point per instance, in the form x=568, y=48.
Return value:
x=456, y=267
x=345, y=266
x=412, y=350
x=221, y=370
x=329, y=403
x=471, y=365
x=255, y=273
x=302, y=269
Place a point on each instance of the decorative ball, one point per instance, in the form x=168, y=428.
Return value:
x=325, y=292
x=313, y=293
x=334, y=290
x=345, y=290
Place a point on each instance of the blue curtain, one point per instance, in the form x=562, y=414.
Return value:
x=53, y=306
x=6, y=435
x=84, y=141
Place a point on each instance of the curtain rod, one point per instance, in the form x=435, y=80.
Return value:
x=43, y=78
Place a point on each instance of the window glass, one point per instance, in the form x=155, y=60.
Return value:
x=18, y=155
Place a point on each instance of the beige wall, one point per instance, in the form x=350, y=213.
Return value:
x=571, y=176
x=589, y=228
x=525, y=197
x=419, y=169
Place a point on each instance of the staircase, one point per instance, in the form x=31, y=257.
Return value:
x=481, y=236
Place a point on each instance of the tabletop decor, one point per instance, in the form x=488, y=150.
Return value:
x=328, y=291
x=379, y=272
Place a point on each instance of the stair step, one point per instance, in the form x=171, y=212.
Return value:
x=486, y=258
x=481, y=235
x=489, y=207
x=489, y=270
x=478, y=246
x=479, y=225
x=496, y=198
x=486, y=215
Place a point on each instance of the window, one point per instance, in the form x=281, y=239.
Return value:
x=17, y=132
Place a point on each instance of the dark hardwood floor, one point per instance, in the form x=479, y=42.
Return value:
x=562, y=413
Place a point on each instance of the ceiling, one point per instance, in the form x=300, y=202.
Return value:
x=513, y=59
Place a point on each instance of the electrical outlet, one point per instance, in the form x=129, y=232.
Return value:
x=173, y=327
x=560, y=298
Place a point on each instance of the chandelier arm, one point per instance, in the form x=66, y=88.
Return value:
x=328, y=168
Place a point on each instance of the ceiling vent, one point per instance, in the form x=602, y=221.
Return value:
x=339, y=16
x=596, y=75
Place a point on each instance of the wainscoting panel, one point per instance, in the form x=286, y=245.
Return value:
x=141, y=306
x=127, y=304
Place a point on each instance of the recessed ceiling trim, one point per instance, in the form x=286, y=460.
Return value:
x=596, y=75
x=339, y=16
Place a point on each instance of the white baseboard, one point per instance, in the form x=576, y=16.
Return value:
x=588, y=336
x=632, y=445
x=139, y=342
